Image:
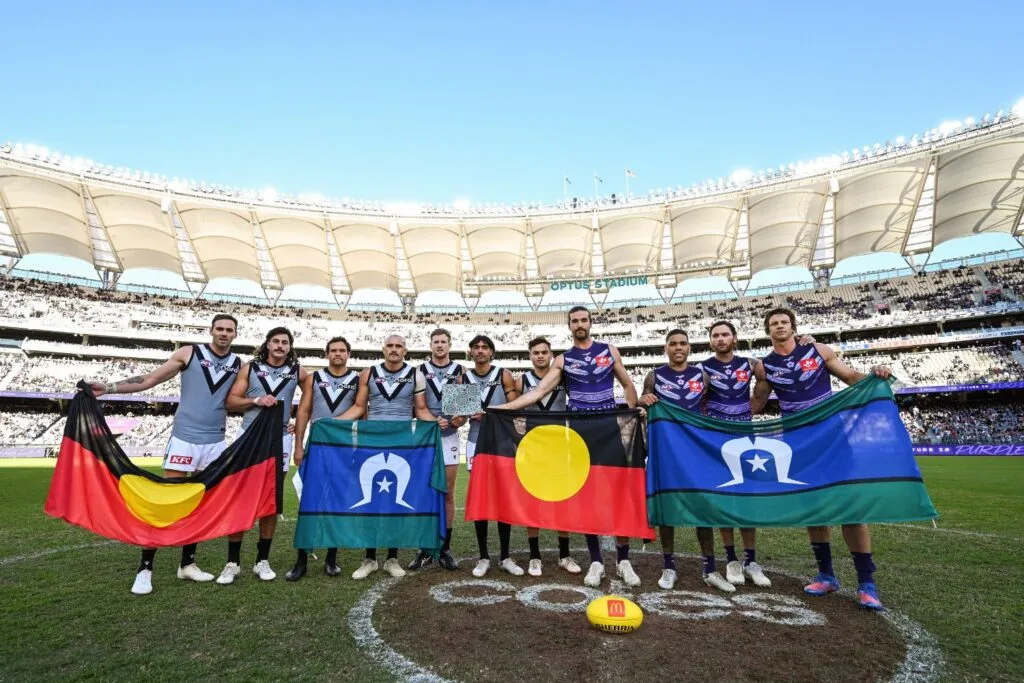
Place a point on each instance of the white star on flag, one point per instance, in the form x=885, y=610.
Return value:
x=385, y=485
x=757, y=463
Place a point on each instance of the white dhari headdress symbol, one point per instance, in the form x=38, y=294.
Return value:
x=782, y=454
x=377, y=463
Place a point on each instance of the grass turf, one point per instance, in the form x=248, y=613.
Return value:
x=67, y=613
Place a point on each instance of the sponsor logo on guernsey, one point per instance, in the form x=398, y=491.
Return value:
x=695, y=385
x=809, y=364
x=603, y=361
x=743, y=375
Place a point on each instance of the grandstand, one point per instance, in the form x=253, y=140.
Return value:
x=949, y=329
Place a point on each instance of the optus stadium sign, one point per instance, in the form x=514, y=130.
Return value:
x=599, y=283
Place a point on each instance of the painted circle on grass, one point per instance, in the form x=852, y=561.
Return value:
x=552, y=462
x=437, y=626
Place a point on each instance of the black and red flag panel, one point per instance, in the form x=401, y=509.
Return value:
x=97, y=487
x=569, y=471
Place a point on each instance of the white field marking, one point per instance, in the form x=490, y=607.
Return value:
x=924, y=662
x=531, y=597
x=13, y=559
x=444, y=592
x=957, y=532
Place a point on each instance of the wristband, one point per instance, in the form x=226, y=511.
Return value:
x=110, y=388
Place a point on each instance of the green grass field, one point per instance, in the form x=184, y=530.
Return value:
x=67, y=613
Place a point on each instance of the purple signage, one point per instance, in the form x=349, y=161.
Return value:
x=969, y=449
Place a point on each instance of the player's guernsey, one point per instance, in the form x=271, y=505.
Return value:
x=555, y=400
x=589, y=377
x=683, y=388
x=269, y=380
x=800, y=379
x=436, y=377
x=492, y=393
x=333, y=394
x=392, y=394
x=728, y=388
x=205, y=383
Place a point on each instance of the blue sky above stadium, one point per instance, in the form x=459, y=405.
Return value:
x=494, y=103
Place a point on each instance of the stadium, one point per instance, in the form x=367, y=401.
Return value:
x=950, y=330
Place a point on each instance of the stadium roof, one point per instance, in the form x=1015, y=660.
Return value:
x=903, y=197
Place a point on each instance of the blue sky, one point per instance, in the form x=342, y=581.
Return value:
x=492, y=102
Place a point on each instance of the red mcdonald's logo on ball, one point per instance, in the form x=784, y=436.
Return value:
x=616, y=608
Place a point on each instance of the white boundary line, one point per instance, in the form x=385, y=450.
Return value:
x=52, y=551
x=943, y=530
x=923, y=662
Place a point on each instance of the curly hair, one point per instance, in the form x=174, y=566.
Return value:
x=261, y=353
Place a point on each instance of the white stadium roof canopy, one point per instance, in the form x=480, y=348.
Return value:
x=904, y=198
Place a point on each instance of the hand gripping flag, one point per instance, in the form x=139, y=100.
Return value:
x=97, y=487
x=570, y=471
x=372, y=484
x=847, y=460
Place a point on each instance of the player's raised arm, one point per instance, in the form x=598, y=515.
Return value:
x=302, y=415
x=358, y=409
x=171, y=367
x=844, y=372
x=762, y=390
x=546, y=385
x=623, y=377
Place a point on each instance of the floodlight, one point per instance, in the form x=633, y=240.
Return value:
x=946, y=128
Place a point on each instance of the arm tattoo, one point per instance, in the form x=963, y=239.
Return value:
x=125, y=383
x=649, y=383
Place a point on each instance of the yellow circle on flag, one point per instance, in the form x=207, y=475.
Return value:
x=552, y=462
x=157, y=504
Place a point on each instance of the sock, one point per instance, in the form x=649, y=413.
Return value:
x=331, y=559
x=301, y=557
x=749, y=556
x=534, y=548
x=371, y=554
x=504, y=538
x=235, y=552
x=823, y=555
x=148, y=555
x=709, y=564
x=188, y=554
x=392, y=554
x=447, y=545
x=481, y=539
x=593, y=547
x=730, y=554
x=263, y=549
x=865, y=567
x=621, y=552
x=563, y=547
x=670, y=561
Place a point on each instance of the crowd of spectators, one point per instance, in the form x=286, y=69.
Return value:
x=989, y=423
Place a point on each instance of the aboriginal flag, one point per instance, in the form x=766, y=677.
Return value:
x=580, y=472
x=96, y=486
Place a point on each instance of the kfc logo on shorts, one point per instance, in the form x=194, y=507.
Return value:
x=695, y=385
x=743, y=375
x=808, y=364
x=180, y=460
x=603, y=361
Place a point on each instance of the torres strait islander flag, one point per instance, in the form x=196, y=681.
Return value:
x=571, y=471
x=846, y=460
x=96, y=486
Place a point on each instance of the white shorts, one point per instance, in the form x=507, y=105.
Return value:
x=182, y=456
x=470, y=452
x=286, y=448
x=450, y=446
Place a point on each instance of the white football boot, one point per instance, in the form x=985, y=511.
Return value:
x=143, y=582
x=229, y=573
x=509, y=565
x=756, y=574
x=668, y=579
x=262, y=569
x=594, y=575
x=365, y=569
x=624, y=570
x=194, y=573
x=392, y=567
x=734, y=573
x=569, y=565
x=481, y=568
x=536, y=568
x=715, y=580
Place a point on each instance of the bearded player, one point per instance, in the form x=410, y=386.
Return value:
x=588, y=371
x=496, y=388
x=540, y=358
x=197, y=434
x=438, y=371
x=801, y=377
x=326, y=393
x=272, y=376
x=684, y=386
